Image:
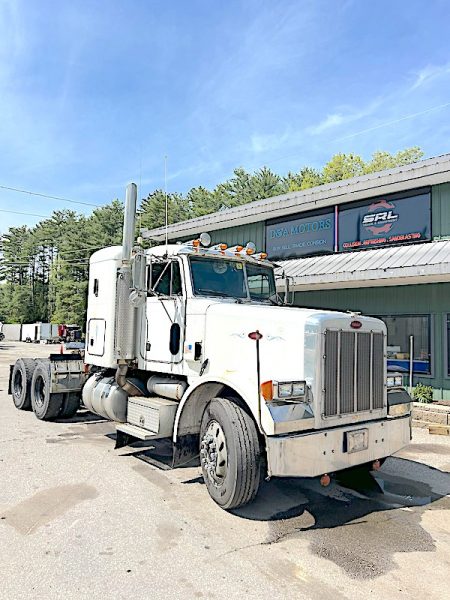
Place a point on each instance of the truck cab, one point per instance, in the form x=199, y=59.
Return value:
x=193, y=342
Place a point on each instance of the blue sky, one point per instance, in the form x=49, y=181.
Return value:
x=94, y=94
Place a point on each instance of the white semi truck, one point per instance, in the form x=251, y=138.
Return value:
x=191, y=342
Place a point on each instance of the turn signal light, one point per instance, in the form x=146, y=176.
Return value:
x=196, y=243
x=250, y=251
x=267, y=390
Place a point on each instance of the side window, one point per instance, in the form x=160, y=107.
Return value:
x=164, y=278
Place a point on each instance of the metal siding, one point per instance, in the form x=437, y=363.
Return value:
x=440, y=211
x=253, y=232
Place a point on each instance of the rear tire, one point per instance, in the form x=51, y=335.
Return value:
x=46, y=406
x=70, y=405
x=230, y=454
x=21, y=382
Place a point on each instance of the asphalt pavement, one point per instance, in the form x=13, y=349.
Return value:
x=79, y=519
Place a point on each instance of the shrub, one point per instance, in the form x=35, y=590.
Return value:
x=423, y=393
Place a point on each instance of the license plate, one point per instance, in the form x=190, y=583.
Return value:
x=357, y=440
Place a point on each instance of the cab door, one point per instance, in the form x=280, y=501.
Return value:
x=165, y=312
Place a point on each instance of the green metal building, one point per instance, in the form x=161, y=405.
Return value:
x=378, y=244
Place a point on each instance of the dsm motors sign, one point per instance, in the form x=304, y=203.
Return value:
x=299, y=237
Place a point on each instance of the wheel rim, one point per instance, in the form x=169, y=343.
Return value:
x=18, y=384
x=39, y=391
x=213, y=453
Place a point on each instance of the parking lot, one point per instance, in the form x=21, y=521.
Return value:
x=79, y=519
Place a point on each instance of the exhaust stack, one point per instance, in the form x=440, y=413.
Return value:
x=129, y=223
x=125, y=339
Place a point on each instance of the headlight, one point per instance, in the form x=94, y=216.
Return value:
x=391, y=381
x=394, y=381
x=284, y=390
x=298, y=388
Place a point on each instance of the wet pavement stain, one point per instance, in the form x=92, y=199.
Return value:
x=355, y=522
x=92, y=433
x=46, y=506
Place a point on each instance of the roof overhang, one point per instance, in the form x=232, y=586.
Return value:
x=424, y=173
x=402, y=265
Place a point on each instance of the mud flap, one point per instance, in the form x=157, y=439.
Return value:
x=185, y=449
x=11, y=367
x=123, y=439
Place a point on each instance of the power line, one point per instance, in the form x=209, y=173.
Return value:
x=60, y=198
x=15, y=212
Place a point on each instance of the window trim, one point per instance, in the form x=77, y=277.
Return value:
x=446, y=338
x=168, y=262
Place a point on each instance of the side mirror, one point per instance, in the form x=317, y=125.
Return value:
x=288, y=293
x=175, y=336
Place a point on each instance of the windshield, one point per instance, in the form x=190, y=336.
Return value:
x=221, y=277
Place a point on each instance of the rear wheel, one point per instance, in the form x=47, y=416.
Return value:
x=230, y=454
x=46, y=406
x=70, y=405
x=21, y=382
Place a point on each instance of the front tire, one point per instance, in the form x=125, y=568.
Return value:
x=230, y=454
x=46, y=406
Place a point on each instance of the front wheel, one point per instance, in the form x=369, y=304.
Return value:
x=230, y=454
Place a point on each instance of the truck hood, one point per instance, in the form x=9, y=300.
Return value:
x=291, y=337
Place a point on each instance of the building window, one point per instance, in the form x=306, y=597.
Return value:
x=399, y=330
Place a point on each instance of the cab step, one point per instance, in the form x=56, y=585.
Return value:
x=137, y=432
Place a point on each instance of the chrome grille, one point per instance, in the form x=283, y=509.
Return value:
x=353, y=372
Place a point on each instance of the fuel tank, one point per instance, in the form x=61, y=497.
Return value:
x=105, y=398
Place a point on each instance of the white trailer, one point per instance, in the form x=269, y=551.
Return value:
x=192, y=342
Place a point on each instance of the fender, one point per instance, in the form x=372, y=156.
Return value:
x=212, y=387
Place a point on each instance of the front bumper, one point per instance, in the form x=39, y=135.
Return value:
x=318, y=452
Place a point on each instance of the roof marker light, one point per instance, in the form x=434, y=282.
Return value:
x=219, y=247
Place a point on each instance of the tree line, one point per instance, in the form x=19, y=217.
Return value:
x=44, y=269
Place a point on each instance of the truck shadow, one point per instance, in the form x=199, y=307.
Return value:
x=353, y=522
x=83, y=416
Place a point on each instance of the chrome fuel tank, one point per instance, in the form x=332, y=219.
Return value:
x=105, y=398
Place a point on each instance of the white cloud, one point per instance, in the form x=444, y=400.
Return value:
x=343, y=117
x=266, y=142
x=430, y=73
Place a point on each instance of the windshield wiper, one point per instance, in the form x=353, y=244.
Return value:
x=212, y=292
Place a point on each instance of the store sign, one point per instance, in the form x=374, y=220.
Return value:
x=384, y=222
x=308, y=235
